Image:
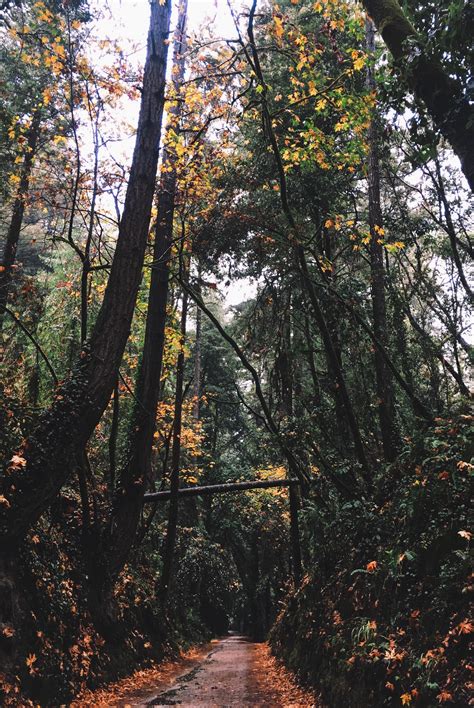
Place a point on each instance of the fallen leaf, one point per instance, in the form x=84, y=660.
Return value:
x=465, y=534
x=17, y=461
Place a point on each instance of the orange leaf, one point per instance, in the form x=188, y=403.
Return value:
x=29, y=661
x=465, y=534
x=17, y=461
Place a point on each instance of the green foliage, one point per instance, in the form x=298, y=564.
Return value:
x=384, y=610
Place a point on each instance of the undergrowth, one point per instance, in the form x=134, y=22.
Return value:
x=382, y=617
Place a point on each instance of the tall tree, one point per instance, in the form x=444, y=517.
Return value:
x=173, y=512
x=334, y=365
x=136, y=475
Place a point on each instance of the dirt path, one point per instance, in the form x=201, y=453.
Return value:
x=230, y=675
x=231, y=672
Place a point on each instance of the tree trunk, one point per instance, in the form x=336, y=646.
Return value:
x=443, y=97
x=285, y=370
x=333, y=315
x=31, y=485
x=172, y=528
x=16, y=222
x=136, y=476
x=384, y=382
x=197, y=354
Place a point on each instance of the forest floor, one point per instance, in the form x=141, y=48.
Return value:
x=229, y=672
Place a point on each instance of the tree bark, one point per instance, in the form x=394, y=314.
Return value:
x=334, y=365
x=443, y=97
x=30, y=486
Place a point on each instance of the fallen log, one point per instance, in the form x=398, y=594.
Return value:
x=220, y=489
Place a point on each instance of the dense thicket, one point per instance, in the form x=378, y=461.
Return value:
x=311, y=177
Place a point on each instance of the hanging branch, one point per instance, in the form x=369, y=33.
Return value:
x=35, y=343
x=292, y=461
x=419, y=407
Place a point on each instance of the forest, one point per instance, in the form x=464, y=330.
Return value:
x=236, y=305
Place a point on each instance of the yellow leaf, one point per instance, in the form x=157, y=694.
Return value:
x=278, y=26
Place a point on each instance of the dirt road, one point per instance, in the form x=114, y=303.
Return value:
x=226, y=672
x=236, y=672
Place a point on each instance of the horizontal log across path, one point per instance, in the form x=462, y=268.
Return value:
x=220, y=489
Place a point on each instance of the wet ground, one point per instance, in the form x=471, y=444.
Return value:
x=224, y=678
x=233, y=671
x=230, y=675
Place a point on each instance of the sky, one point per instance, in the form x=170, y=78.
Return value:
x=131, y=18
